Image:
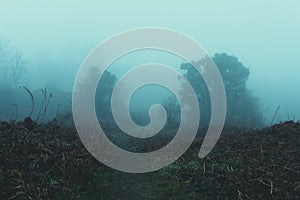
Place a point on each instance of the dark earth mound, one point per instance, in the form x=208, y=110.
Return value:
x=50, y=162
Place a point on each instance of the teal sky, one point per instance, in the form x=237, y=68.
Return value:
x=55, y=36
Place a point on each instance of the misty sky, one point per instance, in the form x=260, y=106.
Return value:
x=55, y=37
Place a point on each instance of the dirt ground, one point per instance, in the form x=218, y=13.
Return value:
x=50, y=162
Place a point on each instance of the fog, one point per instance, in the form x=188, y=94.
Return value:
x=55, y=37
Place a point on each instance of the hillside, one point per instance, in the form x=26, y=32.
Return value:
x=50, y=162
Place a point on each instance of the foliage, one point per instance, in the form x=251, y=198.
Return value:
x=104, y=93
x=172, y=107
x=243, y=108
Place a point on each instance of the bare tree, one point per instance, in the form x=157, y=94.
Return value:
x=13, y=69
x=17, y=70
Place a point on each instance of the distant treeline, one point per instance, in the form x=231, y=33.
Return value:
x=243, y=108
x=18, y=102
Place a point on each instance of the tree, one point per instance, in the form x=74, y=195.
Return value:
x=104, y=93
x=243, y=109
x=172, y=107
x=13, y=69
x=17, y=72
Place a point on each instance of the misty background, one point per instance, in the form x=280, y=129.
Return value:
x=54, y=38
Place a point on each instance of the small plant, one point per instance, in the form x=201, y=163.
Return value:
x=54, y=183
x=45, y=103
x=194, y=166
x=32, y=99
x=230, y=166
x=48, y=98
x=235, y=163
x=171, y=170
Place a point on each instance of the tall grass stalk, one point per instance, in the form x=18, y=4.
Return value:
x=32, y=99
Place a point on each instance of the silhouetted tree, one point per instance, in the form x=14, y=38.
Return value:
x=104, y=93
x=172, y=107
x=17, y=70
x=242, y=106
x=243, y=109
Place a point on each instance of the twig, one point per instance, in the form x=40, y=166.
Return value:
x=44, y=91
x=275, y=114
x=48, y=98
x=271, y=190
x=261, y=152
x=45, y=103
x=239, y=195
x=266, y=184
